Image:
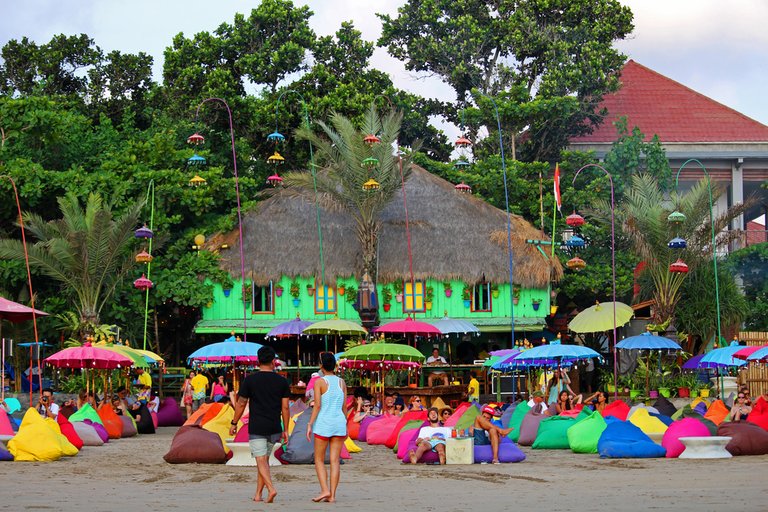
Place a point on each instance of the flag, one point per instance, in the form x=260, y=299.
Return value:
x=558, y=199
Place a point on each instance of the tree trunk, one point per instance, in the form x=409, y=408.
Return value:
x=368, y=234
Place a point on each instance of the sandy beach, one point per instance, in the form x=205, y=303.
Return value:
x=131, y=474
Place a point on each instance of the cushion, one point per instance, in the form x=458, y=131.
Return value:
x=363, y=434
x=5, y=424
x=584, y=435
x=68, y=431
x=297, y=407
x=759, y=414
x=458, y=413
x=67, y=410
x=553, y=433
x=5, y=455
x=508, y=452
x=507, y=415
x=353, y=427
x=129, y=426
x=87, y=434
x=698, y=400
x=193, y=444
x=618, y=409
x=622, y=439
x=379, y=431
x=411, y=425
x=467, y=419
x=391, y=441
x=406, y=441
x=717, y=412
x=299, y=450
x=169, y=413
x=664, y=406
x=36, y=441
x=637, y=407
x=688, y=413
x=144, y=423
x=429, y=457
x=222, y=422
x=100, y=430
x=529, y=427
x=111, y=421
x=686, y=427
x=748, y=438
x=86, y=412
x=700, y=408
x=664, y=419
x=516, y=419
x=197, y=416
x=647, y=423
x=351, y=446
x=13, y=404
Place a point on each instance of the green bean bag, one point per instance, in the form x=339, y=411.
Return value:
x=553, y=433
x=86, y=412
x=516, y=419
x=584, y=435
x=411, y=425
x=468, y=418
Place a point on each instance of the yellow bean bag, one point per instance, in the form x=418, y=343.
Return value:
x=696, y=401
x=351, y=446
x=37, y=441
x=221, y=423
x=292, y=421
x=647, y=423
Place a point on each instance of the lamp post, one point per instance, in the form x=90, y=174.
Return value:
x=714, y=247
x=198, y=139
x=613, y=265
x=151, y=200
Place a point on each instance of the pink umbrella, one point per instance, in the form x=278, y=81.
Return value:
x=748, y=351
x=15, y=312
x=409, y=326
x=88, y=357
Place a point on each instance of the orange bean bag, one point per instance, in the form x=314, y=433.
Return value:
x=617, y=409
x=112, y=422
x=353, y=428
x=405, y=418
x=717, y=412
x=197, y=416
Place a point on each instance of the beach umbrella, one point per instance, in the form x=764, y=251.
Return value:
x=648, y=341
x=374, y=365
x=599, y=318
x=722, y=357
x=504, y=352
x=227, y=351
x=760, y=356
x=290, y=329
x=381, y=351
x=692, y=363
x=138, y=360
x=745, y=352
x=455, y=326
x=14, y=313
x=554, y=353
x=89, y=357
x=151, y=355
x=409, y=326
x=336, y=327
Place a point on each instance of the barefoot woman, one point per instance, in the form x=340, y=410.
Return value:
x=330, y=426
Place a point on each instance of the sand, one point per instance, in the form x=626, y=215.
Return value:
x=130, y=474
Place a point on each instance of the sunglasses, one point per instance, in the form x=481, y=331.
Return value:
x=417, y=400
x=741, y=398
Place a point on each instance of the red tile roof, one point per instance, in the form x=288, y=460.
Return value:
x=659, y=105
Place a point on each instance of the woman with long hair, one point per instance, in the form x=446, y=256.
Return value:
x=330, y=426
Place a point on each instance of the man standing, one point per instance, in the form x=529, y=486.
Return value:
x=266, y=394
x=143, y=378
x=437, y=360
x=199, y=385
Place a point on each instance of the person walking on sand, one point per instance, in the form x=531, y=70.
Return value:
x=266, y=394
x=330, y=426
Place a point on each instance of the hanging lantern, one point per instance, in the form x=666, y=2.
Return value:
x=276, y=137
x=143, y=257
x=576, y=263
x=462, y=142
x=275, y=180
x=371, y=139
x=142, y=283
x=463, y=188
x=196, y=181
x=196, y=159
x=575, y=220
x=678, y=267
x=370, y=162
x=676, y=217
x=677, y=243
x=195, y=139
x=276, y=159
x=143, y=232
x=461, y=163
x=575, y=241
x=371, y=185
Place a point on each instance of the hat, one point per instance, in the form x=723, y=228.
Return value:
x=315, y=374
x=488, y=410
x=538, y=394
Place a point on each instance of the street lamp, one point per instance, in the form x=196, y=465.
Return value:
x=146, y=257
x=197, y=139
x=613, y=264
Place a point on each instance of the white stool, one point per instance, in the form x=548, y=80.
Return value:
x=711, y=447
x=241, y=455
x=459, y=450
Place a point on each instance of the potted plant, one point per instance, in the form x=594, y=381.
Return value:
x=684, y=383
x=703, y=390
x=341, y=289
x=398, y=285
x=428, y=298
x=226, y=291
x=278, y=291
x=606, y=380
x=351, y=295
x=294, y=291
x=515, y=294
x=447, y=288
x=310, y=290
x=535, y=303
x=386, y=298
x=495, y=291
x=466, y=296
x=247, y=292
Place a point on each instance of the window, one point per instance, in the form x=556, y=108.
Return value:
x=263, y=299
x=481, y=297
x=413, y=297
x=325, y=299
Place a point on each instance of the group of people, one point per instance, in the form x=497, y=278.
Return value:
x=194, y=391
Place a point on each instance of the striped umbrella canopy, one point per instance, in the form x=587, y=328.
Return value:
x=88, y=356
x=558, y=353
x=228, y=351
x=760, y=356
x=745, y=352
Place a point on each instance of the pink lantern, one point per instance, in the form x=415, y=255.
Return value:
x=142, y=283
x=195, y=139
x=575, y=220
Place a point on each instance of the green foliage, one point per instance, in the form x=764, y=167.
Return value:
x=294, y=289
x=466, y=293
x=386, y=295
x=351, y=294
x=751, y=266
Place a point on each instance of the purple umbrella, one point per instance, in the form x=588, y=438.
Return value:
x=289, y=329
x=692, y=363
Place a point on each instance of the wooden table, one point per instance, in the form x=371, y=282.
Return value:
x=427, y=395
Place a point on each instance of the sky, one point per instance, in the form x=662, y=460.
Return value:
x=716, y=48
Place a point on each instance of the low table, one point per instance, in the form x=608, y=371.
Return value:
x=706, y=447
x=459, y=450
x=241, y=455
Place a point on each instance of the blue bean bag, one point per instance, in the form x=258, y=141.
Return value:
x=5, y=454
x=508, y=452
x=553, y=433
x=584, y=435
x=700, y=408
x=664, y=419
x=622, y=439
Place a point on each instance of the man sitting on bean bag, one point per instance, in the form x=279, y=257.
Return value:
x=486, y=433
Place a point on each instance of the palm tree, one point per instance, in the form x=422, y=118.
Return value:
x=86, y=251
x=642, y=216
x=342, y=172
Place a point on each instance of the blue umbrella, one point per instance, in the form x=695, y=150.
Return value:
x=227, y=351
x=556, y=353
x=759, y=355
x=454, y=326
x=692, y=363
x=647, y=341
x=722, y=357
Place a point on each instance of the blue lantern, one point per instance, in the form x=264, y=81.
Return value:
x=575, y=242
x=276, y=137
x=677, y=243
x=196, y=160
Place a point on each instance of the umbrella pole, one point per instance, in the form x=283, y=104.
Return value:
x=450, y=360
x=31, y=377
x=2, y=364
x=648, y=375
x=298, y=360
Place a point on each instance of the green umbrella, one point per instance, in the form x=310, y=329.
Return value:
x=335, y=326
x=599, y=318
x=383, y=351
x=137, y=359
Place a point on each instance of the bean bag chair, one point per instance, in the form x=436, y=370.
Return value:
x=411, y=425
x=194, y=444
x=66, y=411
x=664, y=419
x=637, y=407
x=196, y=417
x=700, y=408
x=622, y=439
x=647, y=423
x=617, y=409
x=379, y=431
x=529, y=427
x=695, y=403
x=404, y=419
x=297, y=407
x=570, y=413
x=86, y=412
x=353, y=427
x=100, y=430
x=111, y=421
x=759, y=414
x=298, y=450
x=13, y=404
x=351, y=446
x=68, y=431
x=553, y=433
x=169, y=413
x=362, y=435
x=516, y=419
x=747, y=438
x=129, y=426
x=221, y=424
x=87, y=434
x=467, y=419
x=458, y=413
x=211, y=412
x=507, y=415
x=664, y=406
x=688, y=413
x=144, y=423
x=36, y=441
x=5, y=455
x=407, y=441
x=508, y=452
x=584, y=435
x=5, y=424
x=717, y=412
x=686, y=427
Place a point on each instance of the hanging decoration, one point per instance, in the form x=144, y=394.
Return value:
x=575, y=220
x=142, y=283
x=463, y=188
x=275, y=180
x=276, y=159
x=371, y=139
x=678, y=267
x=371, y=185
x=576, y=263
x=197, y=180
x=276, y=137
x=143, y=257
x=143, y=232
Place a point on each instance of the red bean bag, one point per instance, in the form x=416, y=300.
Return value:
x=68, y=431
x=111, y=421
x=617, y=409
x=686, y=427
x=379, y=431
x=169, y=413
x=194, y=444
x=353, y=428
x=571, y=413
x=759, y=414
x=717, y=412
x=367, y=422
x=529, y=427
x=747, y=438
x=405, y=418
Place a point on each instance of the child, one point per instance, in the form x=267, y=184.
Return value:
x=144, y=395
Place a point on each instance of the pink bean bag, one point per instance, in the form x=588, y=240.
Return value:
x=68, y=431
x=405, y=440
x=617, y=409
x=408, y=443
x=169, y=414
x=379, y=431
x=5, y=424
x=686, y=427
x=457, y=414
x=367, y=422
x=99, y=428
x=154, y=418
x=405, y=418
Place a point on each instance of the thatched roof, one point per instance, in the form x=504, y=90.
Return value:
x=453, y=236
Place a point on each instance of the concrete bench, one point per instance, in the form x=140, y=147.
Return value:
x=709, y=447
x=241, y=455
